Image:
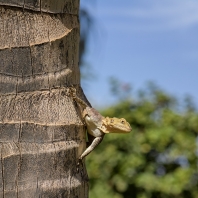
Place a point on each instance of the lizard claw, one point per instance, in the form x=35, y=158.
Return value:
x=78, y=164
x=72, y=92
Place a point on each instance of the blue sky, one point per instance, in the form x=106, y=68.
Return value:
x=138, y=41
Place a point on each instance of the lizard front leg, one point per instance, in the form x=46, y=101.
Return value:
x=96, y=141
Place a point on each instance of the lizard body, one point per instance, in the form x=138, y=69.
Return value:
x=97, y=125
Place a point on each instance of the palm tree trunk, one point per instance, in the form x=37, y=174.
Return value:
x=41, y=134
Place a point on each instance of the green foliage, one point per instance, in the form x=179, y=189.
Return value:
x=158, y=159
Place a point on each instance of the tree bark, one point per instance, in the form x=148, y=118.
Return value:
x=41, y=134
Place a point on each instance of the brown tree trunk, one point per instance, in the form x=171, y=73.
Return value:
x=41, y=134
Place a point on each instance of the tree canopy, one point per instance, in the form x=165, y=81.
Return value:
x=158, y=159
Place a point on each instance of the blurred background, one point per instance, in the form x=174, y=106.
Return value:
x=138, y=60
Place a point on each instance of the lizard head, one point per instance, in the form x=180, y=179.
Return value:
x=116, y=125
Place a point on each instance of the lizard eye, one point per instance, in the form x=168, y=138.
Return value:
x=122, y=121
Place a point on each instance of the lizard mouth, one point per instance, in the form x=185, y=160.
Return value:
x=121, y=129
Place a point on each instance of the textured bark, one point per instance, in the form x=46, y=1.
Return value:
x=41, y=134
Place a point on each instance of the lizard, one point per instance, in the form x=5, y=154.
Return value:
x=97, y=125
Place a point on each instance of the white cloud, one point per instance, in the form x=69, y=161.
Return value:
x=155, y=15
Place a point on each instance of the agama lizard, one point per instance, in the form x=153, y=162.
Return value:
x=97, y=125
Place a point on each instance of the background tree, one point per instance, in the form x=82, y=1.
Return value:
x=41, y=134
x=158, y=159
x=86, y=28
